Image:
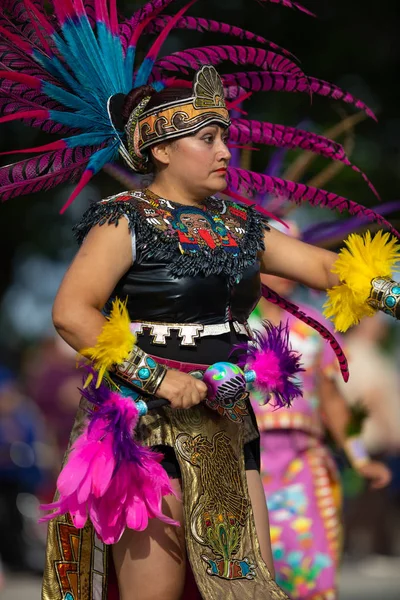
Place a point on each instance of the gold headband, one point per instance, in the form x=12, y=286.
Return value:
x=178, y=118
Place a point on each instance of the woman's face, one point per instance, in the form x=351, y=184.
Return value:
x=198, y=162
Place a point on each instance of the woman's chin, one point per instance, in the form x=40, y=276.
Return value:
x=218, y=184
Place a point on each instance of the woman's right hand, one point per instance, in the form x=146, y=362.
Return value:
x=181, y=390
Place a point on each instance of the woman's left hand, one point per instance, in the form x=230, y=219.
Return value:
x=377, y=472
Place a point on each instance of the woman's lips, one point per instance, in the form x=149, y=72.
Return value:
x=223, y=170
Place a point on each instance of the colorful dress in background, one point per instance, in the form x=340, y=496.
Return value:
x=300, y=479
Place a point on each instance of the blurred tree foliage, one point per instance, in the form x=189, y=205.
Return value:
x=352, y=43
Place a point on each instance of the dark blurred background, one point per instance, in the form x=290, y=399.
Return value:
x=354, y=44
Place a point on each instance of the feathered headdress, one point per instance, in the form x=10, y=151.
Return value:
x=59, y=69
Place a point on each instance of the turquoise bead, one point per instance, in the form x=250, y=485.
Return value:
x=396, y=290
x=144, y=373
x=142, y=407
x=390, y=301
x=151, y=362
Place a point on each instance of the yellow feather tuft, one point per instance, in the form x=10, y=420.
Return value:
x=114, y=343
x=357, y=265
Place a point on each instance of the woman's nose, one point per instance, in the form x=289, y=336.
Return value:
x=224, y=152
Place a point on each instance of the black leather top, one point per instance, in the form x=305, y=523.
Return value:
x=191, y=264
x=155, y=295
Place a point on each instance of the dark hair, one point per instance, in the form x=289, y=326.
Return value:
x=129, y=102
x=157, y=98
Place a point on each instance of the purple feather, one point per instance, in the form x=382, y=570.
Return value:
x=31, y=98
x=43, y=172
x=9, y=105
x=91, y=11
x=243, y=131
x=15, y=59
x=140, y=19
x=334, y=230
x=194, y=58
x=121, y=418
x=275, y=363
x=289, y=4
x=151, y=8
x=251, y=182
x=265, y=81
x=202, y=25
x=21, y=20
x=294, y=310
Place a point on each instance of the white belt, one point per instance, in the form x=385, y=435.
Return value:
x=188, y=332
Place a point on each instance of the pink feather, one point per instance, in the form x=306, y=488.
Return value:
x=235, y=104
x=25, y=114
x=29, y=80
x=101, y=11
x=40, y=17
x=16, y=39
x=64, y=9
x=84, y=180
x=156, y=47
x=58, y=145
x=113, y=17
x=114, y=492
x=31, y=8
x=260, y=209
x=80, y=9
x=268, y=372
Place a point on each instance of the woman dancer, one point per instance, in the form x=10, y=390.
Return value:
x=188, y=265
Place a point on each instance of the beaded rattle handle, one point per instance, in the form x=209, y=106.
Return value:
x=214, y=377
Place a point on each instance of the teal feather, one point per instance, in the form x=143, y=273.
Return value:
x=129, y=66
x=74, y=120
x=143, y=73
x=66, y=98
x=86, y=139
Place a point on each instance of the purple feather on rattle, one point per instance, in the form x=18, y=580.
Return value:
x=275, y=364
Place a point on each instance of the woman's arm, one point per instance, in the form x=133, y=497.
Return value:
x=336, y=415
x=335, y=412
x=104, y=257
x=292, y=259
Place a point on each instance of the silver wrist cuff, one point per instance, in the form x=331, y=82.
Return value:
x=385, y=296
x=141, y=371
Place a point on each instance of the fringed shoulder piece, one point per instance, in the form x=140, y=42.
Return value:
x=109, y=211
x=222, y=238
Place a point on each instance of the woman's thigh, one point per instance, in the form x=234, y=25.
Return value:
x=152, y=563
x=260, y=511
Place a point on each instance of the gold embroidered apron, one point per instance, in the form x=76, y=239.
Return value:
x=221, y=539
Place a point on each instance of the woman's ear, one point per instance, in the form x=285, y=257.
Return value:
x=161, y=153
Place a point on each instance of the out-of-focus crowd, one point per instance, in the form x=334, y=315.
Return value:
x=372, y=517
x=38, y=401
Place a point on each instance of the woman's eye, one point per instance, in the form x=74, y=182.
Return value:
x=208, y=139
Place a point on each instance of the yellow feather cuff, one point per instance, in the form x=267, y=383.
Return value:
x=364, y=259
x=114, y=343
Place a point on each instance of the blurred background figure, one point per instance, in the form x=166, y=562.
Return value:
x=38, y=403
x=373, y=519
x=53, y=381
x=25, y=460
x=300, y=477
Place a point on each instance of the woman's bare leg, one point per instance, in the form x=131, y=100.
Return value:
x=152, y=563
x=260, y=510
